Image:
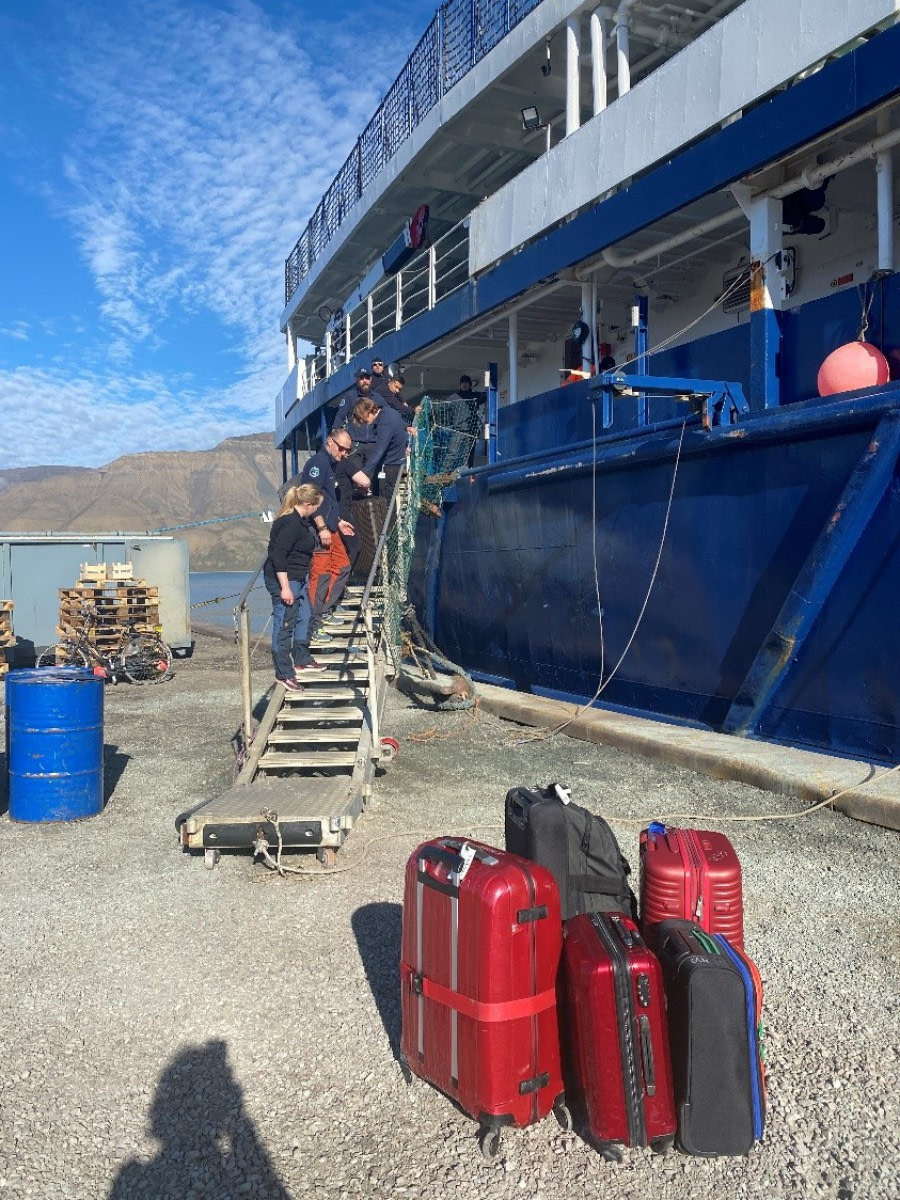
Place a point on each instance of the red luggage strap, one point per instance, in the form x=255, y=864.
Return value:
x=482, y=1010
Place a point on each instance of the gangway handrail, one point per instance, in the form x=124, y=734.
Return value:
x=242, y=612
x=385, y=530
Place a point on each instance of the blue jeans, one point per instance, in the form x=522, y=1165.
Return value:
x=290, y=627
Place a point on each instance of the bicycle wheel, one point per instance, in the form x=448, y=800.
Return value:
x=63, y=654
x=146, y=659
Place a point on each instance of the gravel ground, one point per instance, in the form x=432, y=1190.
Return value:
x=174, y=1032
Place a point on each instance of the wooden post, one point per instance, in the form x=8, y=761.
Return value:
x=246, y=694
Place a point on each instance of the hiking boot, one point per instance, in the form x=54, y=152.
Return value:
x=332, y=619
x=291, y=685
x=321, y=637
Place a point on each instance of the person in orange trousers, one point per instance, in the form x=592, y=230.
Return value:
x=330, y=567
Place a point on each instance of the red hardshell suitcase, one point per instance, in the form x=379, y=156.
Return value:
x=694, y=875
x=481, y=946
x=619, y=1073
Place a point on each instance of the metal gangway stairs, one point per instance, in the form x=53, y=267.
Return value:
x=307, y=768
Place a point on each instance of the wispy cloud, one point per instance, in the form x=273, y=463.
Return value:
x=18, y=331
x=87, y=420
x=206, y=133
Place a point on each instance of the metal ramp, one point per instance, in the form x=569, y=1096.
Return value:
x=309, y=765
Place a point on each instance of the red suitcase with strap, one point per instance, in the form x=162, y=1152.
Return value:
x=692, y=875
x=618, y=1069
x=481, y=945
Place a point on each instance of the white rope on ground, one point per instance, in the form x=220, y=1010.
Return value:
x=275, y=864
x=805, y=812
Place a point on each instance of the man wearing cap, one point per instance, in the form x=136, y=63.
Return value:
x=380, y=379
x=361, y=390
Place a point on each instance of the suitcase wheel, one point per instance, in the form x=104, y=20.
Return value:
x=564, y=1117
x=489, y=1141
x=662, y=1145
x=610, y=1152
x=327, y=856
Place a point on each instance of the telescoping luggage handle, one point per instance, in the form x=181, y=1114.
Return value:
x=660, y=829
x=561, y=791
x=458, y=855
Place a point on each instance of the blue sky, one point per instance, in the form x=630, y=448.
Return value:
x=158, y=160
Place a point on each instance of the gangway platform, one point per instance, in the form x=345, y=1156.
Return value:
x=309, y=765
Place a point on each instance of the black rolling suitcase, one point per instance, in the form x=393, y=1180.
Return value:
x=713, y=1002
x=578, y=847
x=367, y=516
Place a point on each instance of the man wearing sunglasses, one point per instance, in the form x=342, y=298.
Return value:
x=380, y=379
x=330, y=567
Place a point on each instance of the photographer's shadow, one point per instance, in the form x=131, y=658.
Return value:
x=209, y=1146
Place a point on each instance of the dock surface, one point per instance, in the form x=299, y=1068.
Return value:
x=176, y=1032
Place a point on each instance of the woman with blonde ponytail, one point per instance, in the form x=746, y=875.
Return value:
x=286, y=573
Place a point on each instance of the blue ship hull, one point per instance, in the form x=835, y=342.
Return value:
x=762, y=619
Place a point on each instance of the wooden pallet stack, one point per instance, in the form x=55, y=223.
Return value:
x=7, y=637
x=114, y=596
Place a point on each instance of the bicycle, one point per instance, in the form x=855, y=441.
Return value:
x=140, y=655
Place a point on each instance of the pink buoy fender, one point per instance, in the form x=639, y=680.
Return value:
x=856, y=365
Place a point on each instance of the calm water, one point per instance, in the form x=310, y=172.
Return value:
x=225, y=587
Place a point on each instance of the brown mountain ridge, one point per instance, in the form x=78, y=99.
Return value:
x=153, y=490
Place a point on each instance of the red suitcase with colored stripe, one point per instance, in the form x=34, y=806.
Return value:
x=692, y=875
x=481, y=946
x=618, y=1070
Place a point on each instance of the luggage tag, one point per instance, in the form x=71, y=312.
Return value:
x=563, y=793
x=467, y=856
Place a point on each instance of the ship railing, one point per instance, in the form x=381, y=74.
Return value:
x=382, y=304
x=426, y=279
x=435, y=273
x=310, y=371
x=461, y=33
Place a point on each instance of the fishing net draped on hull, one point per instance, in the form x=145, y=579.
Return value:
x=441, y=447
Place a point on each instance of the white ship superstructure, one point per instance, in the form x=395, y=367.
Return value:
x=610, y=92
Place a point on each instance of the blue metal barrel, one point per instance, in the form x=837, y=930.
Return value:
x=54, y=723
